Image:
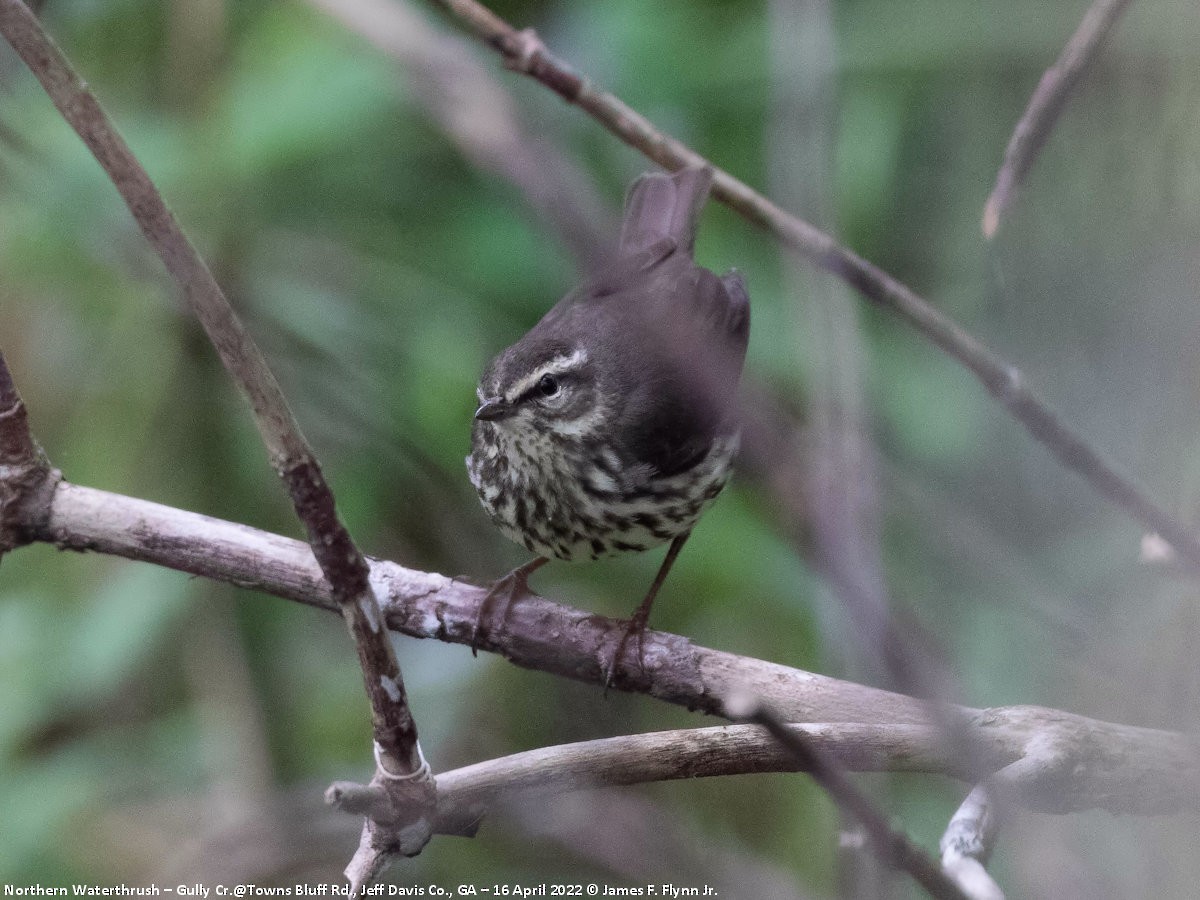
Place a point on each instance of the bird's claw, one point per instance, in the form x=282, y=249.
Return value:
x=635, y=626
x=508, y=589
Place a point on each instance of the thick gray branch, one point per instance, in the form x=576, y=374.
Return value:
x=1067, y=762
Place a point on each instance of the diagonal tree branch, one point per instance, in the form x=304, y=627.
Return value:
x=1046, y=105
x=401, y=769
x=538, y=633
x=478, y=113
x=1065, y=757
x=967, y=844
x=890, y=844
x=523, y=52
x=1070, y=762
x=27, y=482
x=1042, y=758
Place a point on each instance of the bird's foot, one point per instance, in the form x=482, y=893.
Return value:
x=635, y=627
x=504, y=591
x=637, y=622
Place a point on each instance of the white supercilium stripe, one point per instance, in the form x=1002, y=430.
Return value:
x=562, y=363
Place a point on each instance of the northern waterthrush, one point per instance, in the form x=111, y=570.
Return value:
x=612, y=424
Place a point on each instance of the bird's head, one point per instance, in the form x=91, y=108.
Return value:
x=543, y=387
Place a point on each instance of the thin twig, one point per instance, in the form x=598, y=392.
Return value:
x=17, y=446
x=1046, y=105
x=892, y=845
x=27, y=482
x=478, y=113
x=340, y=560
x=523, y=52
x=967, y=844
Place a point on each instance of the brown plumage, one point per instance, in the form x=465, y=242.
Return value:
x=612, y=425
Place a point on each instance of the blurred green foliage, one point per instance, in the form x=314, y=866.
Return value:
x=145, y=714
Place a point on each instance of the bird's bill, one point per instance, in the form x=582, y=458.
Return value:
x=493, y=408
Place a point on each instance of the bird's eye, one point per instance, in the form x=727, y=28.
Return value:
x=547, y=386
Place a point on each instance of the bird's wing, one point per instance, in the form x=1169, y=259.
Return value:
x=674, y=334
x=684, y=360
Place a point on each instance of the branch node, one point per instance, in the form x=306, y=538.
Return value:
x=1014, y=384
x=968, y=843
x=400, y=811
x=525, y=52
x=370, y=860
x=27, y=480
x=357, y=799
x=521, y=50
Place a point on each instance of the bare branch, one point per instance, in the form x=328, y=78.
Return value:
x=967, y=844
x=1049, y=760
x=340, y=560
x=27, y=481
x=693, y=753
x=523, y=52
x=537, y=634
x=17, y=446
x=476, y=111
x=1046, y=105
x=892, y=846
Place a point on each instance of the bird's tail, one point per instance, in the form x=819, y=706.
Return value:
x=664, y=206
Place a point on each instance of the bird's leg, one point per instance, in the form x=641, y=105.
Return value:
x=507, y=588
x=641, y=615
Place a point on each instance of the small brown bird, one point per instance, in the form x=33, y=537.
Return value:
x=612, y=424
